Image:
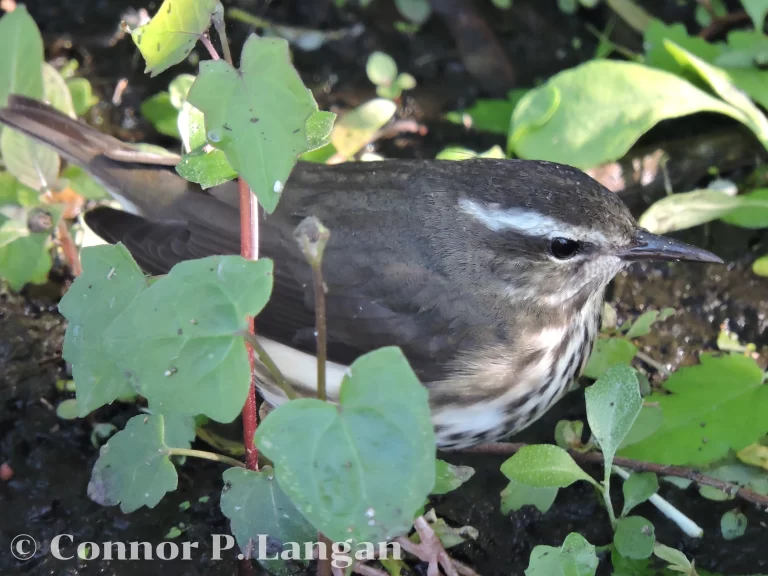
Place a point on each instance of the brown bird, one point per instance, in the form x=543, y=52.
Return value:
x=488, y=274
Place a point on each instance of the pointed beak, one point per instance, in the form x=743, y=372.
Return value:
x=649, y=246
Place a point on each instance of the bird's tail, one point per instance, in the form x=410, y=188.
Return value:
x=143, y=183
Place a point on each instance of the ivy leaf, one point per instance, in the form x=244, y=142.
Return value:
x=635, y=537
x=261, y=131
x=110, y=281
x=22, y=48
x=613, y=403
x=134, y=467
x=517, y=495
x=179, y=342
x=257, y=507
x=544, y=466
x=206, y=167
x=609, y=352
x=449, y=477
x=637, y=489
x=645, y=96
x=370, y=463
x=172, y=33
x=699, y=412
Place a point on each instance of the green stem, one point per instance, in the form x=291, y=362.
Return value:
x=265, y=359
x=218, y=23
x=606, y=489
x=205, y=455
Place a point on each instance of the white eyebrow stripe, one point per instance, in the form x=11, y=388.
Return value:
x=527, y=222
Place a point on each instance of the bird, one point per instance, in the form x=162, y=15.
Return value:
x=488, y=274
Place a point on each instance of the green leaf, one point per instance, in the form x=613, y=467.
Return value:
x=449, y=477
x=459, y=153
x=517, y=495
x=67, y=409
x=576, y=557
x=623, y=100
x=544, y=466
x=261, y=131
x=635, y=537
x=743, y=109
x=371, y=461
x=613, y=403
x=110, y=281
x=256, y=505
x=319, y=128
x=568, y=434
x=34, y=164
x=733, y=524
x=134, y=468
x=642, y=326
x=173, y=32
x=24, y=255
x=760, y=266
x=179, y=342
x=358, y=126
x=416, y=11
x=450, y=536
x=752, y=211
x=205, y=167
x=178, y=89
x=56, y=92
x=14, y=192
x=381, y=68
x=609, y=352
x=688, y=209
x=83, y=183
x=700, y=411
x=82, y=95
x=647, y=422
x=757, y=10
x=657, y=54
x=21, y=47
x=637, y=489
x=671, y=555
x=163, y=115
x=485, y=115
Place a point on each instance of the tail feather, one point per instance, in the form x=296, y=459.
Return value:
x=73, y=140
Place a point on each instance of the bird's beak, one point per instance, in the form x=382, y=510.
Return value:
x=647, y=246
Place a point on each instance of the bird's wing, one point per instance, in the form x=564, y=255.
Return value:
x=377, y=294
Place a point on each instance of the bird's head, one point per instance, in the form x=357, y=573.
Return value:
x=551, y=234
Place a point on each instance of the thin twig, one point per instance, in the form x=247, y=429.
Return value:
x=658, y=366
x=69, y=248
x=722, y=23
x=270, y=365
x=204, y=455
x=508, y=448
x=209, y=46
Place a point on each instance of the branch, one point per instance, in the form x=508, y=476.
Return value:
x=504, y=448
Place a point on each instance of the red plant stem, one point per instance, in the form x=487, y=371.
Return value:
x=249, y=249
x=69, y=248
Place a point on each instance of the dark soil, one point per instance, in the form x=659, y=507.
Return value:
x=51, y=458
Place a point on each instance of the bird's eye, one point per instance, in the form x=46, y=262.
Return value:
x=564, y=248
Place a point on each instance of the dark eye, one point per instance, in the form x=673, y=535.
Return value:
x=564, y=248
